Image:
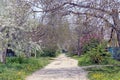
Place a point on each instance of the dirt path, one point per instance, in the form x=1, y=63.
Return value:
x=62, y=68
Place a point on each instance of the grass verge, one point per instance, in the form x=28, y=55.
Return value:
x=19, y=68
x=100, y=73
x=104, y=73
x=85, y=60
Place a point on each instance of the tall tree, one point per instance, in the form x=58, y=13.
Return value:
x=106, y=10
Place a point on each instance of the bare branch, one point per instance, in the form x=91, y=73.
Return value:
x=83, y=6
x=94, y=15
x=74, y=4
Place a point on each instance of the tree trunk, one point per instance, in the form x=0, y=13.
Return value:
x=118, y=37
x=116, y=20
x=79, y=48
x=4, y=56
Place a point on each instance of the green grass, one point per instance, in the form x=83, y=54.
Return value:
x=107, y=68
x=19, y=68
x=100, y=73
x=104, y=73
x=84, y=60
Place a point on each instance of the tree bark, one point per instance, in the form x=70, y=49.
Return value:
x=4, y=56
x=79, y=48
x=116, y=20
x=118, y=37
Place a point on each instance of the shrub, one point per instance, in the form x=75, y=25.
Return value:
x=48, y=53
x=84, y=60
x=98, y=55
x=88, y=46
x=91, y=36
x=19, y=60
x=36, y=52
x=58, y=52
x=72, y=50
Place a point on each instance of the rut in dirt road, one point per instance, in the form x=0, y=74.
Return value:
x=62, y=68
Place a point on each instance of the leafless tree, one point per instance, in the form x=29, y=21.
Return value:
x=105, y=10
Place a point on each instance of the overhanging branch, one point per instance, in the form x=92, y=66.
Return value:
x=74, y=5
x=83, y=6
x=94, y=15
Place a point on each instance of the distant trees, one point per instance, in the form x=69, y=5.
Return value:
x=97, y=14
x=104, y=11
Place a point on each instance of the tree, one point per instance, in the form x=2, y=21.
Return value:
x=105, y=10
x=14, y=24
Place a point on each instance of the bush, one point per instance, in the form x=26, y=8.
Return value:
x=58, y=52
x=88, y=46
x=72, y=50
x=84, y=60
x=19, y=60
x=48, y=53
x=36, y=52
x=98, y=55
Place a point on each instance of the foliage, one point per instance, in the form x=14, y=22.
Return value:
x=84, y=60
x=98, y=54
x=72, y=50
x=36, y=53
x=19, y=60
x=48, y=53
x=88, y=46
x=59, y=51
x=70, y=54
x=19, y=68
x=104, y=73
